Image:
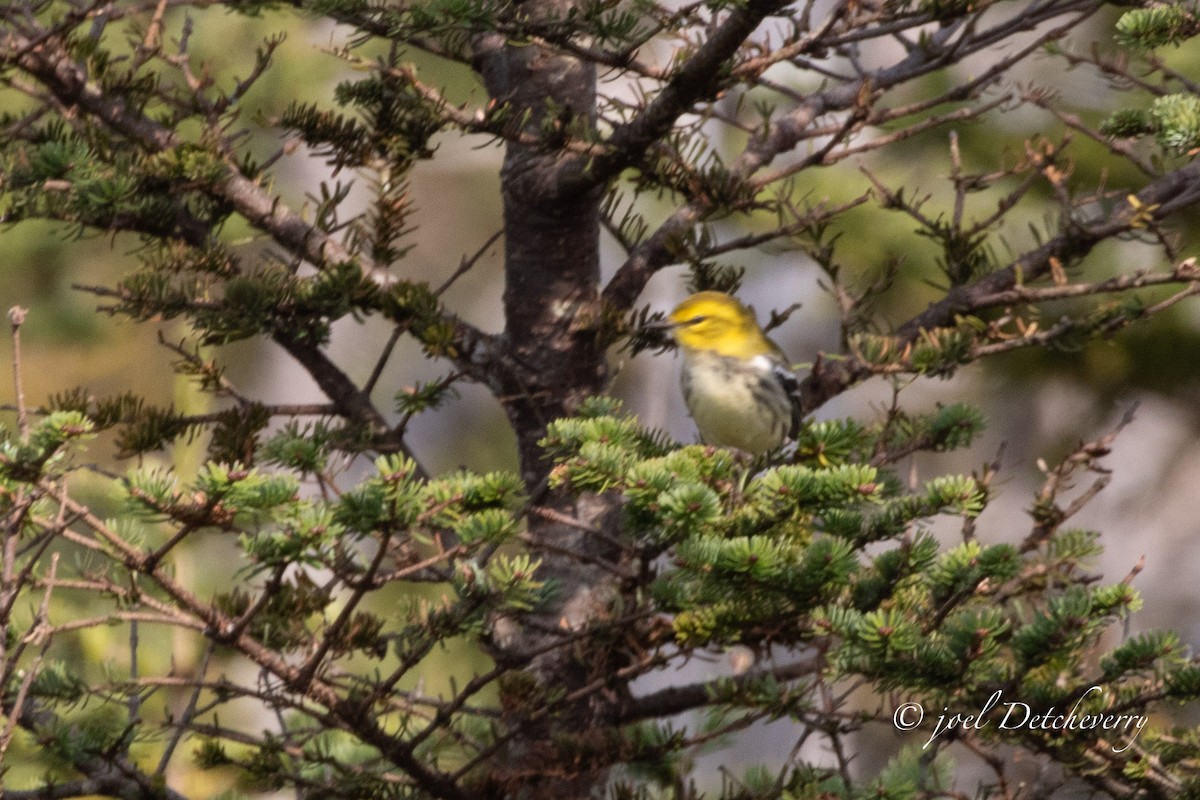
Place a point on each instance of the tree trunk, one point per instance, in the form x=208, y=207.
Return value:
x=555, y=360
x=552, y=261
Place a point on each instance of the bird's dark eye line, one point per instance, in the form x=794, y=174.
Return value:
x=695, y=319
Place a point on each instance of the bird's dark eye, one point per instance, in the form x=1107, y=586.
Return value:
x=696, y=319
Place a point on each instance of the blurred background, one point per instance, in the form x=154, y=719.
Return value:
x=1038, y=404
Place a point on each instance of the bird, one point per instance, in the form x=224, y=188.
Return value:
x=736, y=382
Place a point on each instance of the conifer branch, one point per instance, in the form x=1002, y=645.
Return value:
x=343, y=711
x=67, y=80
x=695, y=79
x=797, y=126
x=1155, y=203
x=675, y=700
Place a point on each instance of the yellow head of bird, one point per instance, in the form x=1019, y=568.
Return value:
x=719, y=323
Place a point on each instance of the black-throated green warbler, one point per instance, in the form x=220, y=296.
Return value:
x=736, y=382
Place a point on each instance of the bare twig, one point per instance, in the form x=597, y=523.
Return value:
x=468, y=262
x=16, y=317
x=40, y=634
x=1049, y=516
